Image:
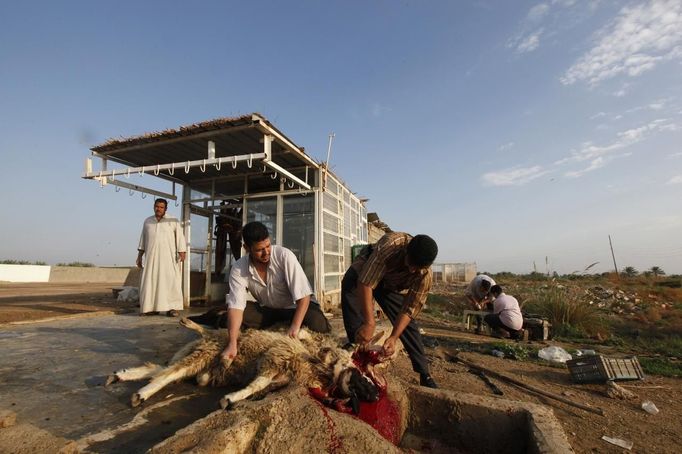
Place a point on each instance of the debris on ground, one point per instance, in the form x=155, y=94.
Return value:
x=554, y=354
x=649, y=407
x=7, y=418
x=615, y=391
x=625, y=444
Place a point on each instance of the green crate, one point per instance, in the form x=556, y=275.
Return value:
x=598, y=368
x=355, y=250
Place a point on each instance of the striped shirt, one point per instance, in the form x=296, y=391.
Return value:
x=384, y=265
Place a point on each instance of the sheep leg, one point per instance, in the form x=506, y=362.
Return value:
x=134, y=373
x=184, y=351
x=260, y=383
x=167, y=376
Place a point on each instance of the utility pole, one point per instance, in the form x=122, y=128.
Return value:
x=614, y=257
x=326, y=165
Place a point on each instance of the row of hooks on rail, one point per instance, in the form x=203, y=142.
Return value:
x=131, y=192
x=187, y=166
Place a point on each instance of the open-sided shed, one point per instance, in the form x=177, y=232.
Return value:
x=230, y=171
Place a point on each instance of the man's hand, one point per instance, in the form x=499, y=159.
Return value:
x=138, y=262
x=229, y=353
x=389, y=346
x=293, y=332
x=364, y=334
x=182, y=256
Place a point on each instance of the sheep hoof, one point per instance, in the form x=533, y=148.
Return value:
x=226, y=404
x=136, y=400
x=111, y=379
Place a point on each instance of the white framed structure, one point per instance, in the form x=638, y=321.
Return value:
x=254, y=170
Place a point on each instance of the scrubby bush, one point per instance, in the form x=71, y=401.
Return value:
x=80, y=264
x=567, y=311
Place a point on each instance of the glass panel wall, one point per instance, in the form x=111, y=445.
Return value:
x=298, y=231
x=265, y=211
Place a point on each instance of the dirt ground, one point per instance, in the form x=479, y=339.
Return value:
x=26, y=302
x=624, y=419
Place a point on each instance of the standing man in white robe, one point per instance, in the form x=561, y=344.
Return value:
x=163, y=242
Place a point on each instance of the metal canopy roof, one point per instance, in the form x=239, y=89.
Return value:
x=218, y=152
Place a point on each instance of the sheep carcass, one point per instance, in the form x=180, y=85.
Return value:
x=267, y=360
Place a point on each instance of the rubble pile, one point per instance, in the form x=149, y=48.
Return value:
x=620, y=302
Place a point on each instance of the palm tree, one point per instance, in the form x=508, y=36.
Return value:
x=657, y=271
x=630, y=271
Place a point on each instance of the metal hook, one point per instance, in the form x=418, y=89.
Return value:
x=250, y=161
x=274, y=175
x=144, y=195
x=158, y=169
x=203, y=166
x=177, y=204
x=171, y=171
x=264, y=169
x=141, y=171
x=118, y=189
x=290, y=184
x=131, y=192
x=234, y=162
x=217, y=165
x=187, y=167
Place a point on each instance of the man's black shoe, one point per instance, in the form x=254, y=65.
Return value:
x=428, y=381
x=349, y=346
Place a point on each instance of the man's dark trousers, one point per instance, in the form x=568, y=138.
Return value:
x=391, y=303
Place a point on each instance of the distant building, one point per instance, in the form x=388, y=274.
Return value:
x=453, y=272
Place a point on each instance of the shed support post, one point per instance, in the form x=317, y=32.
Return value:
x=186, y=197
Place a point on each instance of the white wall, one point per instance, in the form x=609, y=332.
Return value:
x=24, y=273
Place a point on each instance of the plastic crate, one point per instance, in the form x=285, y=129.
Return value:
x=597, y=368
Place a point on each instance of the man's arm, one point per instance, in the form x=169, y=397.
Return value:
x=234, y=322
x=138, y=262
x=366, y=330
x=299, y=314
x=400, y=324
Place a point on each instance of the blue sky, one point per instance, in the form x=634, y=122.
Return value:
x=511, y=132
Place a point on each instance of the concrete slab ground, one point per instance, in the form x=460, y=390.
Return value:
x=52, y=375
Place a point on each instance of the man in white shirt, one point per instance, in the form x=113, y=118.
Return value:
x=506, y=313
x=276, y=280
x=478, y=294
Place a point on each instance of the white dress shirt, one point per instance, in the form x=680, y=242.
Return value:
x=285, y=281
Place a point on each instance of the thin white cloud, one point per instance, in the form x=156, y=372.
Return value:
x=638, y=39
x=506, y=146
x=596, y=163
x=624, y=139
x=537, y=12
x=675, y=155
x=529, y=43
x=675, y=180
x=598, y=115
x=515, y=176
x=377, y=110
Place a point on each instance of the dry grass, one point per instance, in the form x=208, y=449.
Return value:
x=567, y=310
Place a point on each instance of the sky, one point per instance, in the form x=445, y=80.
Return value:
x=519, y=135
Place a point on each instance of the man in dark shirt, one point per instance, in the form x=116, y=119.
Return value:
x=396, y=271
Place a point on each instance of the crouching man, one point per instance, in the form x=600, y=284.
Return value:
x=506, y=314
x=396, y=271
x=276, y=280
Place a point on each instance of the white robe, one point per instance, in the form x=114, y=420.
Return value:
x=161, y=288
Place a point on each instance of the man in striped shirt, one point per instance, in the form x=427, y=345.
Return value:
x=396, y=271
